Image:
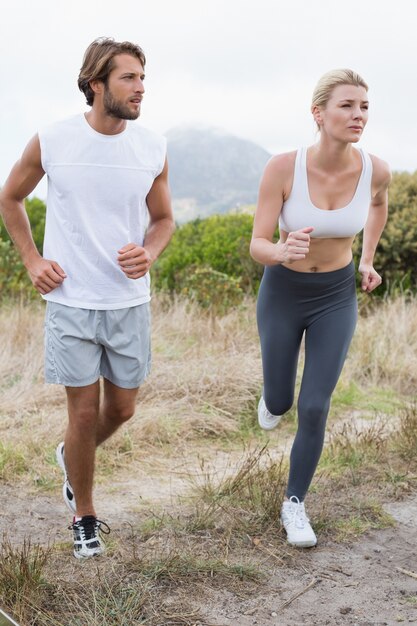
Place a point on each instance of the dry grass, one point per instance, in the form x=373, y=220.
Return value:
x=248, y=496
x=384, y=348
x=201, y=395
x=204, y=386
x=148, y=583
x=205, y=374
x=22, y=577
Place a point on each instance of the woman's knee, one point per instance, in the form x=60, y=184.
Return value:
x=277, y=405
x=313, y=413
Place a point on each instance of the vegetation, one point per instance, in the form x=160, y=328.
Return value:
x=209, y=258
x=14, y=280
x=220, y=242
x=195, y=438
x=396, y=256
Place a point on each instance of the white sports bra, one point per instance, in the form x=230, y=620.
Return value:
x=298, y=211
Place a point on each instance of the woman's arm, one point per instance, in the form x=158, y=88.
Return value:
x=378, y=213
x=275, y=185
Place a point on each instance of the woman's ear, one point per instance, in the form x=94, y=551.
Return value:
x=317, y=115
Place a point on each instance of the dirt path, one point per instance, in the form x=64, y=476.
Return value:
x=349, y=584
x=355, y=584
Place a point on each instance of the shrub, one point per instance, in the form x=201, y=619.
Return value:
x=14, y=279
x=220, y=242
x=210, y=289
x=396, y=256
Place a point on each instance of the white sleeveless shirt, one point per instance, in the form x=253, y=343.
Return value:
x=298, y=211
x=96, y=204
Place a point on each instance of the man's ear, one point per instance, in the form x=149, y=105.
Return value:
x=97, y=86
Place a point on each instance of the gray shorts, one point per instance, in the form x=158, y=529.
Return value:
x=82, y=344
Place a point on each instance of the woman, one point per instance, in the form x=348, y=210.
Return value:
x=322, y=196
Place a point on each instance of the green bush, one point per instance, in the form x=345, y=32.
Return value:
x=14, y=279
x=212, y=290
x=220, y=242
x=36, y=211
x=396, y=256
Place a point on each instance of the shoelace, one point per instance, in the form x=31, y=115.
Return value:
x=299, y=517
x=88, y=524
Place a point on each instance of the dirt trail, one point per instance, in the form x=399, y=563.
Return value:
x=356, y=584
x=351, y=584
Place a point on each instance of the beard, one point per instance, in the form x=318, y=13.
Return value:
x=116, y=108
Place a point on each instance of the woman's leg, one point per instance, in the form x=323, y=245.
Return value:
x=280, y=334
x=327, y=341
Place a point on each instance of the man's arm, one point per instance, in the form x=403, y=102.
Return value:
x=378, y=213
x=136, y=260
x=25, y=175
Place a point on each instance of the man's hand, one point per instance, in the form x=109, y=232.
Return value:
x=45, y=275
x=296, y=246
x=135, y=261
x=370, y=278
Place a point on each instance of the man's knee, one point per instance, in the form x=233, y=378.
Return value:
x=84, y=417
x=120, y=414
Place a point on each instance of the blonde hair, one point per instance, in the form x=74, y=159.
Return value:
x=332, y=79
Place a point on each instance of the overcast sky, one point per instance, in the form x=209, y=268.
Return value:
x=248, y=68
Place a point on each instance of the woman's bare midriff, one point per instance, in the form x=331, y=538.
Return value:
x=325, y=255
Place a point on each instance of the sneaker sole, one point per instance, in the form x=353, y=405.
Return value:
x=59, y=458
x=303, y=544
x=268, y=426
x=84, y=557
x=67, y=499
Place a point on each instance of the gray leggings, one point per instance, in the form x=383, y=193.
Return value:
x=324, y=307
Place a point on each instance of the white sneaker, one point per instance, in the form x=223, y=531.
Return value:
x=67, y=490
x=297, y=524
x=87, y=539
x=266, y=420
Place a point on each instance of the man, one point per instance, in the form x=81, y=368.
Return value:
x=108, y=218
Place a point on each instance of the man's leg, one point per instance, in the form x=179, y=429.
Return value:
x=117, y=407
x=80, y=443
x=88, y=426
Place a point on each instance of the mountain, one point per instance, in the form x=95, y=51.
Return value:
x=211, y=171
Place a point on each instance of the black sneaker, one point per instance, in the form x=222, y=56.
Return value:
x=87, y=539
x=67, y=491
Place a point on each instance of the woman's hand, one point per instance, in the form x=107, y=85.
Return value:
x=295, y=247
x=370, y=278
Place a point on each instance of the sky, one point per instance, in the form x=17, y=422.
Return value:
x=248, y=68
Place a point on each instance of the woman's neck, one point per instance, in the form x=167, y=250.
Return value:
x=330, y=155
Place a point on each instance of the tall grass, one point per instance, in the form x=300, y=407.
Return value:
x=384, y=348
x=204, y=385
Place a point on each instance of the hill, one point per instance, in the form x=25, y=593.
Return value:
x=212, y=171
